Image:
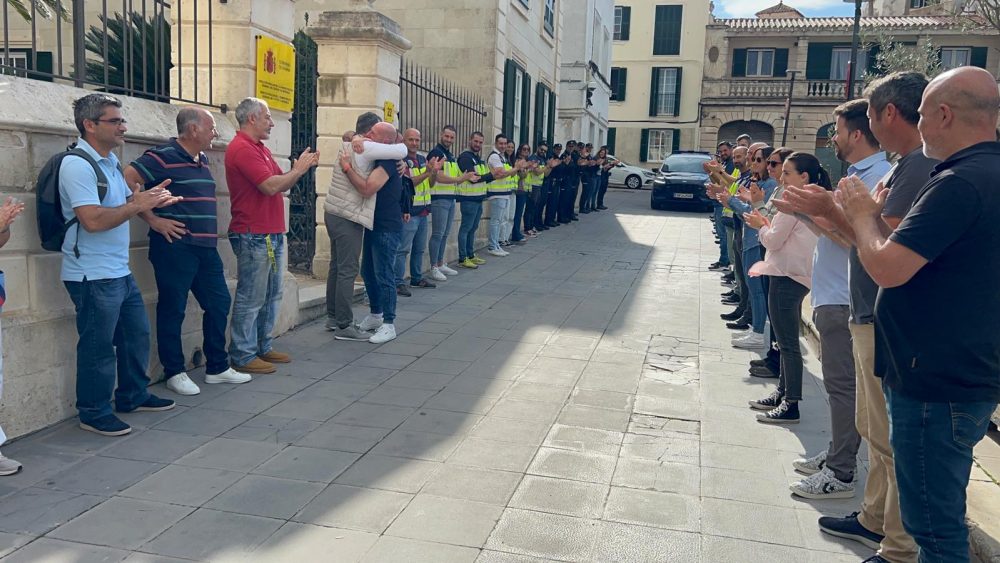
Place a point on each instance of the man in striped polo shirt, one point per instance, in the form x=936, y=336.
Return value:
x=182, y=249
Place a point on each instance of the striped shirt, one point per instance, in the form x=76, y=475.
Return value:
x=191, y=179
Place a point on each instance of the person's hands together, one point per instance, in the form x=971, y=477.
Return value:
x=306, y=160
x=857, y=202
x=810, y=199
x=755, y=219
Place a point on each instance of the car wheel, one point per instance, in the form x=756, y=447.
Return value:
x=633, y=182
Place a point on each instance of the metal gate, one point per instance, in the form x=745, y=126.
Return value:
x=302, y=198
x=428, y=103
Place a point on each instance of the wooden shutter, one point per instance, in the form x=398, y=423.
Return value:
x=818, y=59
x=551, y=127
x=539, y=127
x=677, y=93
x=44, y=59
x=612, y=135
x=667, y=30
x=619, y=81
x=780, y=63
x=739, y=63
x=976, y=58
x=643, y=145
x=509, y=83
x=525, y=108
x=626, y=23
x=676, y=146
x=654, y=89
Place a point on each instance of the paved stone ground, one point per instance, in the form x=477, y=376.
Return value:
x=575, y=401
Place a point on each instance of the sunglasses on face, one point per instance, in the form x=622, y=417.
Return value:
x=774, y=163
x=757, y=160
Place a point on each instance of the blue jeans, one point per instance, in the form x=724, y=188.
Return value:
x=181, y=269
x=758, y=293
x=520, y=200
x=442, y=216
x=498, y=220
x=720, y=229
x=472, y=213
x=114, y=339
x=260, y=262
x=378, y=258
x=932, y=446
x=412, y=241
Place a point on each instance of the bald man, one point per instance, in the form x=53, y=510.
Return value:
x=937, y=322
x=416, y=205
x=182, y=249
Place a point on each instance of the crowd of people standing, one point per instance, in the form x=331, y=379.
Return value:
x=909, y=341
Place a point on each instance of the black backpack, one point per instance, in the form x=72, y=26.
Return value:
x=52, y=226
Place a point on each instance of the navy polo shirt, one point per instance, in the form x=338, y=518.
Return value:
x=192, y=180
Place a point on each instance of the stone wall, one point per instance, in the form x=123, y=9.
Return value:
x=38, y=319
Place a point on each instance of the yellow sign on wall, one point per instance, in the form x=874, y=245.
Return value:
x=389, y=111
x=276, y=73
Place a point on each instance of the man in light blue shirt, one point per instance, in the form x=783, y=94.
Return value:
x=111, y=316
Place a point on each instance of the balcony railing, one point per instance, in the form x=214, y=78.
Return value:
x=777, y=88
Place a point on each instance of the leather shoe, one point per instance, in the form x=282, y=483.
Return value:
x=276, y=357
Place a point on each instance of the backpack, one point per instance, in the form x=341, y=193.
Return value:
x=52, y=225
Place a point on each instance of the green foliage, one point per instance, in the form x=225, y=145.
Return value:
x=892, y=56
x=43, y=8
x=147, y=42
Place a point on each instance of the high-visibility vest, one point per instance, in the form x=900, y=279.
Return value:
x=733, y=188
x=421, y=191
x=476, y=190
x=534, y=179
x=502, y=186
x=446, y=190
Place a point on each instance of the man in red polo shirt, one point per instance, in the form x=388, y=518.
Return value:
x=257, y=233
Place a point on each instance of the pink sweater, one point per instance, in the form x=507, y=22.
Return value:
x=790, y=246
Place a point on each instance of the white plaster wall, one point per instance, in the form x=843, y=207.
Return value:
x=39, y=323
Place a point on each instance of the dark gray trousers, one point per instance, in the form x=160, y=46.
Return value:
x=837, y=358
x=345, y=255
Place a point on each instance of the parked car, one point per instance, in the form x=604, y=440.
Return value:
x=681, y=182
x=632, y=177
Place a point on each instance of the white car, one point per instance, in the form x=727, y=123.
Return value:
x=632, y=177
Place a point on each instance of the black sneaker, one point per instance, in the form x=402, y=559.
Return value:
x=153, y=404
x=109, y=425
x=730, y=293
x=767, y=403
x=401, y=289
x=738, y=326
x=758, y=363
x=851, y=529
x=876, y=559
x=728, y=277
x=762, y=372
x=731, y=316
x=785, y=413
x=731, y=300
x=717, y=266
x=424, y=283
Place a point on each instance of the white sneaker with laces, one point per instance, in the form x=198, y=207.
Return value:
x=742, y=334
x=228, y=376
x=822, y=485
x=810, y=465
x=447, y=271
x=753, y=341
x=384, y=334
x=496, y=252
x=182, y=385
x=370, y=322
x=9, y=466
x=437, y=275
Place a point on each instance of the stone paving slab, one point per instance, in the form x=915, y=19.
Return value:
x=575, y=401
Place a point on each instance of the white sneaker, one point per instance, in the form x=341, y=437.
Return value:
x=437, y=275
x=496, y=252
x=228, y=376
x=447, y=271
x=810, y=465
x=822, y=485
x=182, y=385
x=742, y=334
x=753, y=341
x=385, y=333
x=370, y=322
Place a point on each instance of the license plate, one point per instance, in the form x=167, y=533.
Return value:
x=684, y=196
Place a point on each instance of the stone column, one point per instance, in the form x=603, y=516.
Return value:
x=359, y=57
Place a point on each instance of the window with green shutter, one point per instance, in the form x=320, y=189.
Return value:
x=612, y=135
x=525, y=109
x=623, y=22
x=665, y=91
x=667, y=30
x=818, y=59
x=551, y=128
x=619, y=79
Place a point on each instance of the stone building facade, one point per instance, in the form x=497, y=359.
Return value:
x=584, y=87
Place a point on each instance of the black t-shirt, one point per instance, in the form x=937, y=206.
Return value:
x=905, y=181
x=388, y=211
x=440, y=152
x=937, y=336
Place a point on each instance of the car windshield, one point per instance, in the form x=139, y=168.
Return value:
x=687, y=163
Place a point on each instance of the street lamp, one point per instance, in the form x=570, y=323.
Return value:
x=855, y=40
x=788, y=105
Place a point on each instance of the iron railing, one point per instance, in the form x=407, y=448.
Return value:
x=125, y=47
x=302, y=197
x=429, y=102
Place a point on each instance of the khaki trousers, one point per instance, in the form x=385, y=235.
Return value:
x=880, y=506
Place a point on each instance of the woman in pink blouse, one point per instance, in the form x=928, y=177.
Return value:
x=790, y=244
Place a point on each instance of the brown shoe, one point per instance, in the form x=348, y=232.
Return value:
x=256, y=365
x=276, y=357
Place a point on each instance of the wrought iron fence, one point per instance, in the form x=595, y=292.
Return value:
x=125, y=47
x=302, y=198
x=429, y=102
